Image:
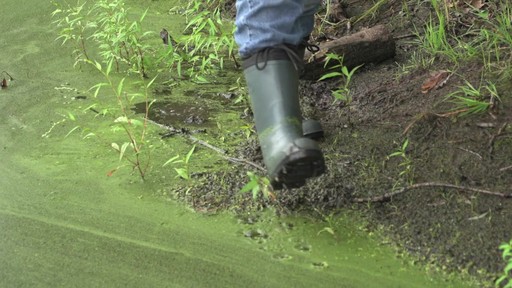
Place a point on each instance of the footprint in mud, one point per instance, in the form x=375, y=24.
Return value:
x=249, y=219
x=256, y=234
x=303, y=247
x=286, y=226
x=319, y=265
x=281, y=256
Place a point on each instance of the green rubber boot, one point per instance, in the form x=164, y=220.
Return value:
x=272, y=79
x=312, y=128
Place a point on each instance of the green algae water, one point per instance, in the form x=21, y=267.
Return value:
x=64, y=223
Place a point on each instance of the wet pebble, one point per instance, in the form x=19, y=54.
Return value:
x=193, y=119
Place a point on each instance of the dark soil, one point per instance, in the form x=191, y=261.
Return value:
x=453, y=221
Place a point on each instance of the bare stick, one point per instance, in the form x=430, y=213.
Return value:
x=505, y=168
x=493, y=138
x=216, y=149
x=388, y=196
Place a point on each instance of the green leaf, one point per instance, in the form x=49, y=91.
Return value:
x=71, y=131
x=255, y=191
x=182, y=172
x=330, y=75
x=344, y=70
x=98, y=87
x=397, y=153
x=89, y=107
x=328, y=230
x=89, y=135
x=405, y=144
x=115, y=146
x=201, y=80
x=172, y=160
x=123, y=150
x=98, y=65
x=151, y=82
x=121, y=119
x=71, y=116
x=189, y=154
x=249, y=186
x=508, y=268
x=120, y=87
x=109, y=67
x=143, y=15
x=500, y=280
x=136, y=122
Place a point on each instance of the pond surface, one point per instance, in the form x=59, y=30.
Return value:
x=64, y=223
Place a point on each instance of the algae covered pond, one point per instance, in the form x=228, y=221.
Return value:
x=64, y=223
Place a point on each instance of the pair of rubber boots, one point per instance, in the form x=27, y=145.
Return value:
x=272, y=77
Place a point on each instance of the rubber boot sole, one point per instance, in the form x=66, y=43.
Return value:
x=294, y=169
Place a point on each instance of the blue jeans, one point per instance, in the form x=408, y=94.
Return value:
x=267, y=23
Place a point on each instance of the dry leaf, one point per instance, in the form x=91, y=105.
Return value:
x=465, y=6
x=111, y=172
x=435, y=81
x=474, y=4
x=477, y=4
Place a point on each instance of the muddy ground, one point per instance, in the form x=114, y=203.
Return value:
x=450, y=218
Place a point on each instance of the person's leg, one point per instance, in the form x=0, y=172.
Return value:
x=261, y=24
x=268, y=33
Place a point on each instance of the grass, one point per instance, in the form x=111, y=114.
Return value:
x=474, y=100
x=339, y=70
x=486, y=39
x=505, y=279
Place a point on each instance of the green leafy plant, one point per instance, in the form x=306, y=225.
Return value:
x=330, y=220
x=104, y=25
x=183, y=172
x=248, y=130
x=258, y=184
x=74, y=24
x=495, y=43
x=471, y=100
x=134, y=129
x=505, y=280
x=209, y=41
x=435, y=39
x=118, y=38
x=406, y=164
x=132, y=150
x=343, y=92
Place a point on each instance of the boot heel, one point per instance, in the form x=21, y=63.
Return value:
x=305, y=162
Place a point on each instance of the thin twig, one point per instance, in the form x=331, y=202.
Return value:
x=493, y=138
x=388, y=196
x=399, y=37
x=216, y=149
x=505, y=168
x=472, y=152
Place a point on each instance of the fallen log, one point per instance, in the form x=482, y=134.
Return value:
x=372, y=45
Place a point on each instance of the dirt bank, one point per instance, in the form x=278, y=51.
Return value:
x=452, y=174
